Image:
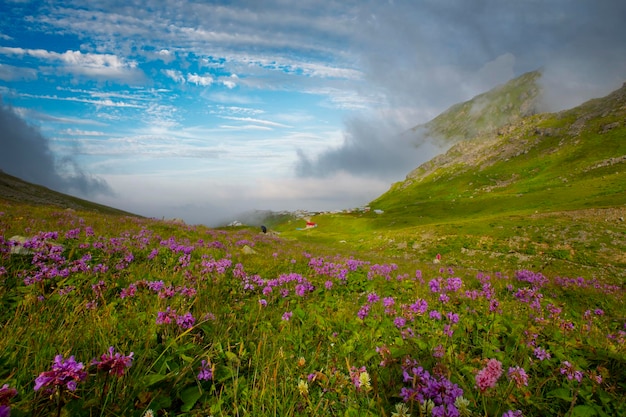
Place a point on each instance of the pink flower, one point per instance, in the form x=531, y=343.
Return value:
x=488, y=376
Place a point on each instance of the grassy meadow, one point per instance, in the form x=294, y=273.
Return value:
x=106, y=315
x=490, y=282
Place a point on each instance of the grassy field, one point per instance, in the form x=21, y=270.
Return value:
x=353, y=317
x=490, y=282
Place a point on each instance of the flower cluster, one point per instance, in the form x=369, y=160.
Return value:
x=518, y=376
x=435, y=393
x=488, y=376
x=570, y=372
x=63, y=373
x=6, y=394
x=113, y=362
x=206, y=371
x=360, y=378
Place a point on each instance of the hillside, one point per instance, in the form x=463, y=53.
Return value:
x=15, y=190
x=579, y=150
x=485, y=113
x=546, y=191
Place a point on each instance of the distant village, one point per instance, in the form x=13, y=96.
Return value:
x=304, y=214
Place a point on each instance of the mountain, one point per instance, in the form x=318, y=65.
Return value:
x=520, y=190
x=568, y=160
x=15, y=190
x=501, y=106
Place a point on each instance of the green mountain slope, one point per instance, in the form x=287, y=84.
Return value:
x=565, y=161
x=16, y=191
x=544, y=192
x=486, y=112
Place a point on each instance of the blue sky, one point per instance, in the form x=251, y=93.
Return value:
x=201, y=110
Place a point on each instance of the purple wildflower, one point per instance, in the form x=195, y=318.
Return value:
x=518, y=375
x=287, y=315
x=435, y=315
x=511, y=413
x=64, y=372
x=388, y=302
x=399, y=322
x=6, y=394
x=541, y=354
x=113, y=362
x=419, y=307
x=570, y=372
x=372, y=297
x=166, y=317
x=363, y=312
x=206, y=371
x=186, y=321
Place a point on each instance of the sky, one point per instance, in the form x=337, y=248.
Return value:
x=204, y=110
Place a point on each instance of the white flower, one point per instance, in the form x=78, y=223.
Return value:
x=401, y=411
x=364, y=380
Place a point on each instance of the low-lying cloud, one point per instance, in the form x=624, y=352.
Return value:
x=372, y=148
x=26, y=154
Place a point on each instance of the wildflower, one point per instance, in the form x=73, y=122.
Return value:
x=453, y=284
x=328, y=285
x=426, y=407
x=363, y=312
x=287, y=316
x=541, y=354
x=518, y=375
x=570, y=372
x=488, y=376
x=166, y=317
x=6, y=394
x=186, y=321
x=388, y=302
x=453, y=317
x=63, y=373
x=263, y=302
x=365, y=381
x=148, y=413
x=113, y=363
x=419, y=307
x=360, y=378
x=399, y=322
x=438, y=351
x=461, y=404
x=303, y=387
x=401, y=411
x=511, y=413
x=372, y=297
x=206, y=371
x=435, y=315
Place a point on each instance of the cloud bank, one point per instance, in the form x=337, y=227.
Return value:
x=26, y=154
x=423, y=57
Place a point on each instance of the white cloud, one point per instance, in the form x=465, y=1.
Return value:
x=79, y=132
x=203, y=80
x=175, y=75
x=100, y=103
x=253, y=120
x=104, y=66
